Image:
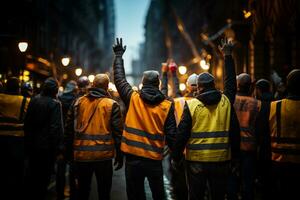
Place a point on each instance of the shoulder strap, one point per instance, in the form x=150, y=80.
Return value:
x=90, y=117
x=278, y=118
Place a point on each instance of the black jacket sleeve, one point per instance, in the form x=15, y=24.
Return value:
x=176, y=84
x=123, y=87
x=69, y=131
x=116, y=125
x=263, y=133
x=170, y=128
x=234, y=135
x=164, y=83
x=56, y=126
x=230, y=79
x=183, y=133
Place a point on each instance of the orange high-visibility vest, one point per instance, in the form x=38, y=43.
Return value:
x=247, y=109
x=93, y=138
x=179, y=106
x=284, y=122
x=12, y=111
x=143, y=133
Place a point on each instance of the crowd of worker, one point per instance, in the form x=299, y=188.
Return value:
x=230, y=144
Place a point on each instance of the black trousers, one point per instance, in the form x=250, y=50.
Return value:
x=200, y=174
x=284, y=182
x=12, y=167
x=103, y=171
x=41, y=167
x=136, y=170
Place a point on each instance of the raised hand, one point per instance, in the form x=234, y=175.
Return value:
x=118, y=48
x=226, y=46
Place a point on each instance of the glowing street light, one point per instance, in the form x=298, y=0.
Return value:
x=182, y=69
x=65, y=61
x=182, y=86
x=247, y=14
x=91, y=78
x=78, y=71
x=206, y=66
x=23, y=46
x=202, y=63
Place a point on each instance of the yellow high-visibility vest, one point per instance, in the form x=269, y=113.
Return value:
x=93, y=138
x=284, y=122
x=209, y=141
x=247, y=109
x=143, y=133
x=179, y=106
x=12, y=111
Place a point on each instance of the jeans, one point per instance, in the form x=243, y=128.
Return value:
x=103, y=171
x=202, y=174
x=136, y=170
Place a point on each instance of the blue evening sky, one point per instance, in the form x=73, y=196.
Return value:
x=130, y=20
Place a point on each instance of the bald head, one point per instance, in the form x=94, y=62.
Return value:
x=101, y=81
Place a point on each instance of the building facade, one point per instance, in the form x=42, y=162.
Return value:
x=82, y=30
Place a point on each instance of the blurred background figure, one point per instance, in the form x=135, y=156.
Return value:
x=26, y=90
x=13, y=108
x=83, y=84
x=67, y=98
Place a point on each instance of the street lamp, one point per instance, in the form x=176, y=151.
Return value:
x=65, y=61
x=202, y=63
x=23, y=46
x=182, y=86
x=182, y=69
x=91, y=78
x=78, y=71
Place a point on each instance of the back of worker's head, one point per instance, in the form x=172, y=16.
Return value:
x=13, y=86
x=293, y=82
x=71, y=87
x=205, y=82
x=151, y=78
x=191, y=83
x=243, y=83
x=83, y=82
x=50, y=87
x=101, y=81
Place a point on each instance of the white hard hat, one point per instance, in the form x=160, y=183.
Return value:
x=192, y=80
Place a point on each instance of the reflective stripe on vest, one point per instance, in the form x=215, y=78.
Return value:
x=179, y=106
x=143, y=134
x=12, y=111
x=247, y=109
x=93, y=139
x=284, y=124
x=209, y=141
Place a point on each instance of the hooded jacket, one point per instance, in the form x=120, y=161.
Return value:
x=149, y=94
x=43, y=125
x=212, y=97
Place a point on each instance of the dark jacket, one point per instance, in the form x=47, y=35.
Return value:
x=149, y=95
x=43, y=125
x=115, y=121
x=66, y=100
x=212, y=97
